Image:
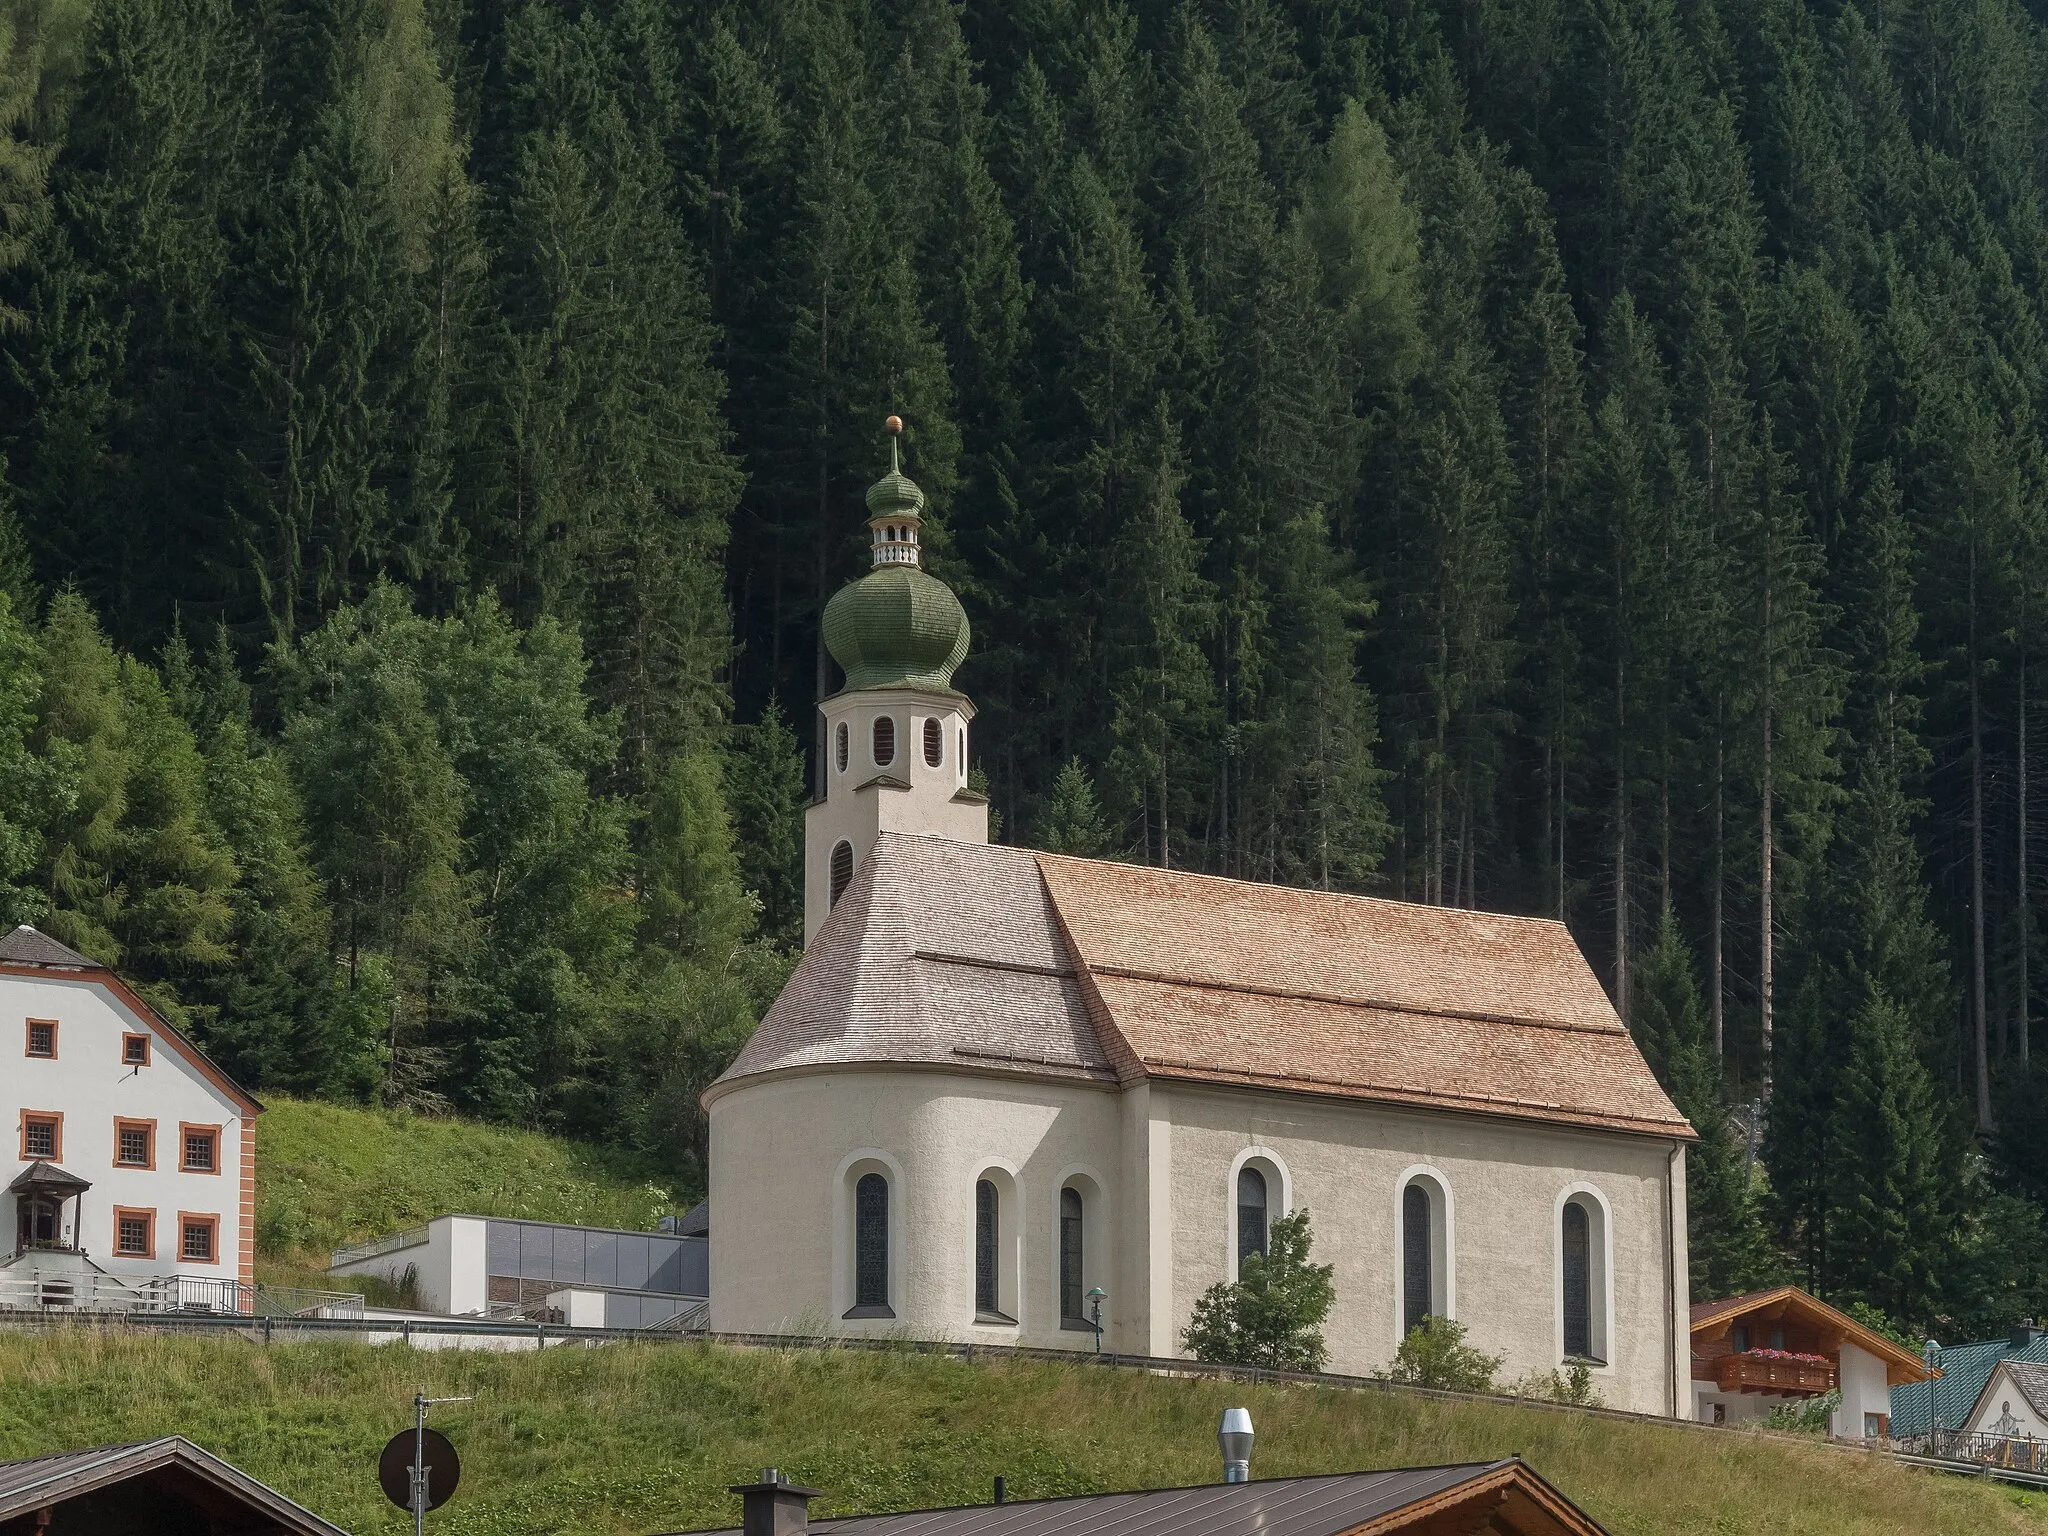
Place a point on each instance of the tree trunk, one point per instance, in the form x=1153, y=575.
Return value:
x=1766, y=850
x=1621, y=837
x=1714, y=1003
x=1979, y=1022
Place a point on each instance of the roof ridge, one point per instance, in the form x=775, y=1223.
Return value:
x=1397, y=902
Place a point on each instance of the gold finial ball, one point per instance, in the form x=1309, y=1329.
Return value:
x=894, y=425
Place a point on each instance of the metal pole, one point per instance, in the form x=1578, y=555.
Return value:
x=419, y=1463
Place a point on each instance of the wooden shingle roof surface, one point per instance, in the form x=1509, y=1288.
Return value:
x=972, y=954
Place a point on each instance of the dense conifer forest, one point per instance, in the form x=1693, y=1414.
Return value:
x=1570, y=457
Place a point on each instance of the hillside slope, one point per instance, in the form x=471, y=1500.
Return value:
x=331, y=1174
x=644, y=1438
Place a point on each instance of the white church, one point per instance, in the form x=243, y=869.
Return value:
x=1008, y=1096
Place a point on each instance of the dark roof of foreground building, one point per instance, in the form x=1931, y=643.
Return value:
x=172, y=1467
x=975, y=955
x=1517, y=1501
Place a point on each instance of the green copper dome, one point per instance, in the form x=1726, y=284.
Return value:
x=897, y=628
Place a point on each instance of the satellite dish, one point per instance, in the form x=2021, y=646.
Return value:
x=394, y=1468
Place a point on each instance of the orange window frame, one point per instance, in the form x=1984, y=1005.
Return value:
x=131, y=1061
x=211, y=1133
x=55, y=1117
x=189, y=1219
x=28, y=1039
x=148, y=1127
x=148, y=1219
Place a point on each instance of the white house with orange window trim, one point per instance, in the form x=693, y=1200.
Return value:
x=132, y=1164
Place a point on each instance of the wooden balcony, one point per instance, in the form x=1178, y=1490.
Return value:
x=1755, y=1373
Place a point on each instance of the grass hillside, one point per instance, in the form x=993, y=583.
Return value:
x=332, y=1174
x=643, y=1438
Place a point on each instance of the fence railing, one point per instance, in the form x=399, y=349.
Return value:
x=390, y=1242
x=193, y=1295
x=2018, y=1453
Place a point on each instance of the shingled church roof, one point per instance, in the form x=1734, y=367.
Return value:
x=975, y=955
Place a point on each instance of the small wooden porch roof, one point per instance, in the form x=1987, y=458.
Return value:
x=1711, y=1321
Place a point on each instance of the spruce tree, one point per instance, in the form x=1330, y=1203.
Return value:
x=1071, y=820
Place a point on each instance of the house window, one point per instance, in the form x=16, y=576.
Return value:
x=986, y=1301
x=871, y=1247
x=135, y=1050
x=1071, y=1287
x=934, y=743
x=199, y=1148
x=197, y=1238
x=884, y=741
x=1741, y=1339
x=842, y=870
x=42, y=1039
x=134, y=1234
x=135, y=1143
x=1877, y=1426
x=1251, y=1214
x=42, y=1137
x=1416, y=1286
x=840, y=748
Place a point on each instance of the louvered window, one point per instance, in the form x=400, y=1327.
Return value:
x=934, y=743
x=885, y=742
x=871, y=1241
x=1578, y=1283
x=1415, y=1255
x=842, y=870
x=1251, y=1214
x=840, y=747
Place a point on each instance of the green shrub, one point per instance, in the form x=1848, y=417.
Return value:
x=1807, y=1416
x=1272, y=1314
x=1435, y=1354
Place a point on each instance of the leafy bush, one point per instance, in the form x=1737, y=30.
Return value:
x=1272, y=1314
x=1435, y=1354
x=1573, y=1385
x=1808, y=1416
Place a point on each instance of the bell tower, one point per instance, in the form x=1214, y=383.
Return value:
x=895, y=737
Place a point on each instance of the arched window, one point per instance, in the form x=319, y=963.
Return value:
x=934, y=742
x=1578, y=1282
x=962, y=768
x=1251, y=1213
x=871, y=1246
x=842, y=870
x=1071, y=1288
x=1416, y=1289
x=986, y=1298
x=884, y=741
x=841, y=746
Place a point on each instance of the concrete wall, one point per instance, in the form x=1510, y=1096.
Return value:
x=854, y=815
x=1158, y=1166
x=90, y=1086
x=449, y=1267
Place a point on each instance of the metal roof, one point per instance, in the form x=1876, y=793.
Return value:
x=1281, y=1506
x=39, y=1481
x=1964, y=1370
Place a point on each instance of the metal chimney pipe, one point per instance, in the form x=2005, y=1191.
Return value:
x=1234, y=1436
x=773, y=1507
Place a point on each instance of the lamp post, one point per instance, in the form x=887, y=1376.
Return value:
x=1096, y=1297
x=1929, y=1353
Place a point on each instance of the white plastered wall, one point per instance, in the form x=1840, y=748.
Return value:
x=855, y=815
x=449, y=1268
x=1999, y=1398
x=90, y=1085
x=1164, y=1158
x=1865, y=1390
x=1345, y=1162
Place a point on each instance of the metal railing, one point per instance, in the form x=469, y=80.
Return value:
x=194, y=1295
x=390, y=1242
x=2018, y=1453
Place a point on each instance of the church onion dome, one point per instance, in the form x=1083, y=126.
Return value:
x=897, y=627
